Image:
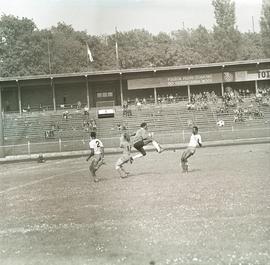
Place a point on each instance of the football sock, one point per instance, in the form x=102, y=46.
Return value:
x=137, y=156
x=156, y=145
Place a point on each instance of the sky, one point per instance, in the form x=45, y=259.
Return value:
x=99, y=17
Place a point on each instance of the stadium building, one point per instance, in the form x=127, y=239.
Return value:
x=111, y=88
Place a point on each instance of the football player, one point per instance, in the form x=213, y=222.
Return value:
x=96, y=156
x=195, y=140
x=142, y=138
x=125, y=144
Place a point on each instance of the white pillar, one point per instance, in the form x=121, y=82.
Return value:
x=256, y=87
x=2, y=150
x=155, y=95
x=188, y=90
x=87, y=92
x=53, y=94
x=121, y=90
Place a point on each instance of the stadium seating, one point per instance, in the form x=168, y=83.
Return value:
x=161, y=119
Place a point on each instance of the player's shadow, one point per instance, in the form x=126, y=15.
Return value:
x=194, y=170
x=138, y=174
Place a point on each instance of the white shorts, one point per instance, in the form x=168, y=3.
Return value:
x=95, y=159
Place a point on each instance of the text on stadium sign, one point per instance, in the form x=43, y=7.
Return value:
x=264, y=74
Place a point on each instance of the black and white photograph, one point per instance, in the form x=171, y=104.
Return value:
x=134, y=132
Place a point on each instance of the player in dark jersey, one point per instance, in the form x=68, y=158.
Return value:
x=141, y=138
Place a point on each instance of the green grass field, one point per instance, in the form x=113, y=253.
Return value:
x=219, y=213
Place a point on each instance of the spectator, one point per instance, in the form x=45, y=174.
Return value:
x=119, y=127
x=86, y=110
x=93, y=125
x=86, y=125
x=139, y=105
x=40, y=159
x=158, y=99
x=125, y=108
x=171, y=98
x=79, y=105
x=190, y=106
x=66, y=115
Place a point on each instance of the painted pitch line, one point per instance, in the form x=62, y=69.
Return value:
x=39, y=166
x=38, y=181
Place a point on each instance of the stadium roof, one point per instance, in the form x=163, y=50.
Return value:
x=136, y=70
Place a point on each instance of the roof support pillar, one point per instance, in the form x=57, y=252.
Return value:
x=188, y=91
x=53, y=94
x=121, y=90
x=87, y=92
x=155, y=95
x=222, y=89
x=2, y=150
x=19, y=97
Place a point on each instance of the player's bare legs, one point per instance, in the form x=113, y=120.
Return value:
x=119, y=167
x=122, y=172
x=184, y=159
x=99, y=164
x=92, y=169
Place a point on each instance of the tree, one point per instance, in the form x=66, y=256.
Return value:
x=226, y=36
x=265, y=27
x=19, y=47
x=68, y=49
x=250, y=46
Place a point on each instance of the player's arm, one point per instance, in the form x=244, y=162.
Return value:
x=199, y=141
x=91, y=154
x=102, y=152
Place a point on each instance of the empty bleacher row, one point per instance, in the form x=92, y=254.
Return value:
x=161, y=119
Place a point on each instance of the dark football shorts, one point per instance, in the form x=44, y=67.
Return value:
x=139, y=146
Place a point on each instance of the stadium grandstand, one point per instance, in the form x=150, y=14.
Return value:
x=54, y=113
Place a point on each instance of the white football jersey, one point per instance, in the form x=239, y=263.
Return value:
x=194, y=139
x=96, y=144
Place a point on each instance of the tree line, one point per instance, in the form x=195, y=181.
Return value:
x=27, y=50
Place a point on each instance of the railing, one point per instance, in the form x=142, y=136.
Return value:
x=164, y=137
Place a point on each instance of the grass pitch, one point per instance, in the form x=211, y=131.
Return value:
x=219, y=213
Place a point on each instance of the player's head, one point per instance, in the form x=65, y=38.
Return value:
x=93, y=135
x=144, y=125
x=195, y=129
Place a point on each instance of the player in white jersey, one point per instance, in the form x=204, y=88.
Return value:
x=195, y=140
x=142, y=138
x=125, y=158
x=96, y=156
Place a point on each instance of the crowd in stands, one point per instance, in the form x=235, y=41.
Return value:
x=169, y=99
x=241, y=114
x=126, y=109
x=90, y=125
x=232, y=98
x=200, y=101
x=55, y=127
x=263, y=96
